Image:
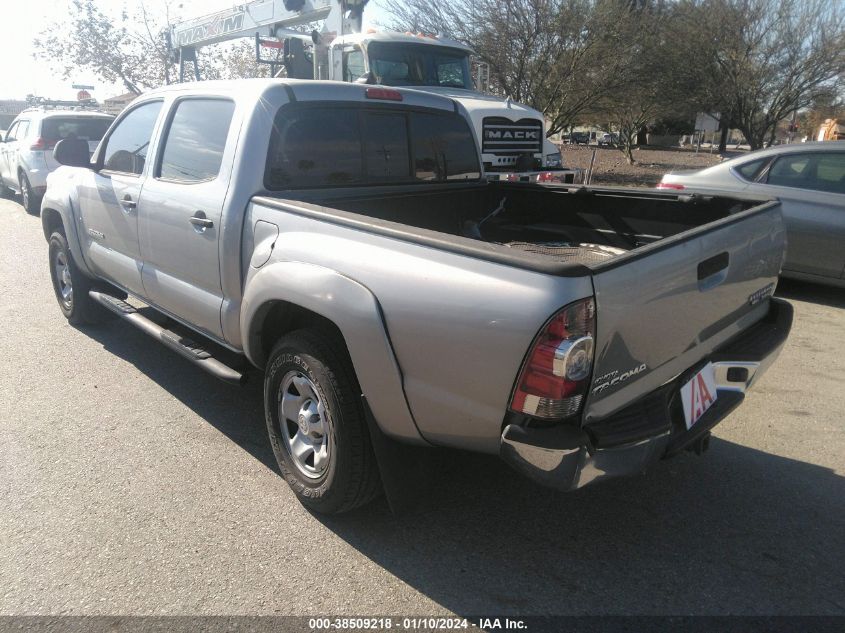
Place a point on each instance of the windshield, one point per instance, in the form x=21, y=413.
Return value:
x=87, y=128
x=402, y=64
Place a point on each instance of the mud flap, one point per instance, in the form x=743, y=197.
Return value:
x=405, y=470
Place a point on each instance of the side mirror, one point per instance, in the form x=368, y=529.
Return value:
x=72, y=152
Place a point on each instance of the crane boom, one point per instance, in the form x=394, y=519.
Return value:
x=244, y=20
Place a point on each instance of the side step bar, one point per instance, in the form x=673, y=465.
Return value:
x=185, y=347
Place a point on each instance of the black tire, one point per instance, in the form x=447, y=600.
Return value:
x=350, y=478
x=30, y=201
x=78, y=307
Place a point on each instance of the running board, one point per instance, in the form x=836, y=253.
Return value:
x=182, y=345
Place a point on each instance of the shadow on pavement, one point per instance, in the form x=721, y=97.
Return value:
x=736, y=531
x=237, y=412
x=811, y=292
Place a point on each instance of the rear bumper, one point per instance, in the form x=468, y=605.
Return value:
x=567, y=457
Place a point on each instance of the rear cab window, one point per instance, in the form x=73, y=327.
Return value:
x=347, y=145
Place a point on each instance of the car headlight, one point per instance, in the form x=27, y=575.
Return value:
x=553, y=160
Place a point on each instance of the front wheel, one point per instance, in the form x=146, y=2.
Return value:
x=316, y=423
x=70, y=284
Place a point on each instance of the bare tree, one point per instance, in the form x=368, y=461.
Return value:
x=130, y=47
x=762, y=60
x=656, y=78
x=114, y=51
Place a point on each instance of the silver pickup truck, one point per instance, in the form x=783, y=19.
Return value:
x=340, y=238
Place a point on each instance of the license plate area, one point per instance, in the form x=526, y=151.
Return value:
x=698, y=394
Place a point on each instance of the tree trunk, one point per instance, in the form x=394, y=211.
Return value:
x=629, y=155
x=724, y=125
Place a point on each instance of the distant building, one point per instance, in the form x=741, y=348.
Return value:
x=9, y=109
x=114, y=105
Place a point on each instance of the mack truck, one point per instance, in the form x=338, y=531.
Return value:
x=511, y=136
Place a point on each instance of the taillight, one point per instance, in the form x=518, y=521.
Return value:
x=556, y=373
x=41, y=144
x=384, y=93
x=669, y=185
x=545, y=176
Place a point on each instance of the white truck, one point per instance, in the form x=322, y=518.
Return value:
x=511, y=135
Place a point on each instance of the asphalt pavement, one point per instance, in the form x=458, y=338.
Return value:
x=131, y=483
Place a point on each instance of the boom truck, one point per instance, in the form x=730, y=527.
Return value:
x=511, y=135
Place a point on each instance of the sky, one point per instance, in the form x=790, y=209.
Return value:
x=23, y=20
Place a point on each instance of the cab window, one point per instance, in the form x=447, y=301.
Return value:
x=195, y=140
x=128, y=144
x=353, y=64
x=342, y=146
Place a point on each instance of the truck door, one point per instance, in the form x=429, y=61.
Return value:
x=109, y=198
x=181, y=209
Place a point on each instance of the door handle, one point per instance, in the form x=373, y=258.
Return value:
x=128, y=204
x=200, y=221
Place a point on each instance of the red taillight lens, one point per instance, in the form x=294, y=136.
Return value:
x=545, y=176
x=669, y=185
x=384, y=93
x=41, y=144
x=556, y=373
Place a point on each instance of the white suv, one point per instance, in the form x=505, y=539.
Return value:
x=26, y=150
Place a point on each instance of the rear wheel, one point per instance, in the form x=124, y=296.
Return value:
x=316, y=423
x=31, y=202
x=71, y=285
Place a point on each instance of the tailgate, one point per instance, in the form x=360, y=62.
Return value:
x=663, y=308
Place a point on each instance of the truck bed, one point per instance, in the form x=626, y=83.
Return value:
x=674, y=277
x=547, y=226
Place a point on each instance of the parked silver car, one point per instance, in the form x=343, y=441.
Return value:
x=26, y=149
x=809, y=180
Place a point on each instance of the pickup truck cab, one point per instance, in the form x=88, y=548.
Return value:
x=341, y=239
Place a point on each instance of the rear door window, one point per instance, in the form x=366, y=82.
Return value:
x=830, y=173
x=749, y=171
x=19, y=131
x=334, y=146
x=818, y=171
x=196, y=138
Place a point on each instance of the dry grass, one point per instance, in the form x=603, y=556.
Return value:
x=611, y=168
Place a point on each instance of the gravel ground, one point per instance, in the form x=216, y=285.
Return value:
x=611, y=168
x=131, y=483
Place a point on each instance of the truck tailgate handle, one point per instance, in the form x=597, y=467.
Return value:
x=715, y=264
x=713, y=271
